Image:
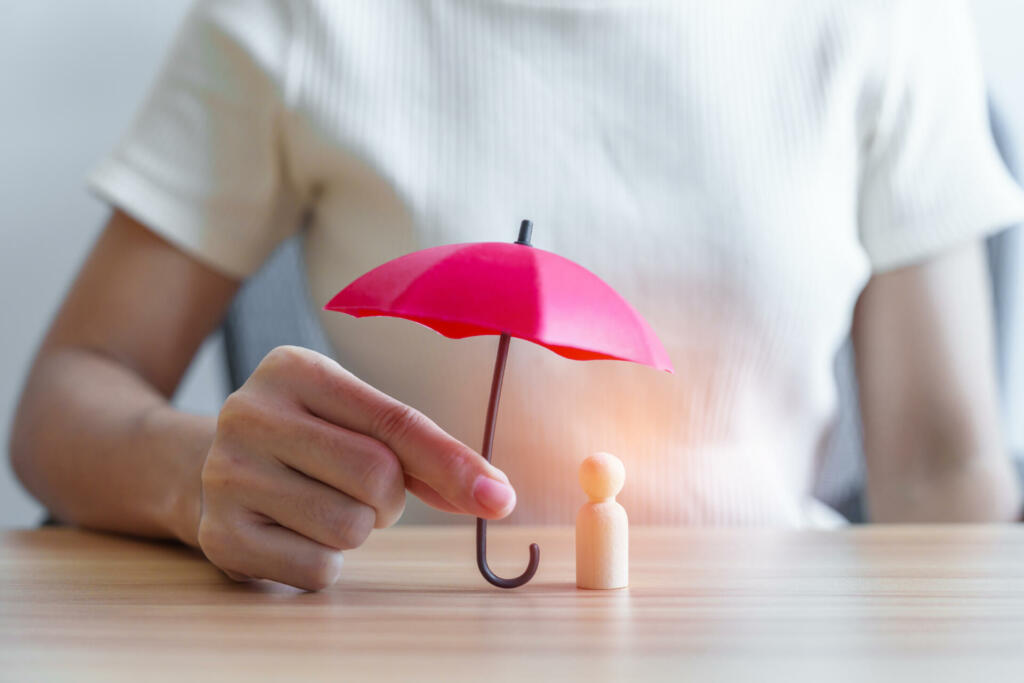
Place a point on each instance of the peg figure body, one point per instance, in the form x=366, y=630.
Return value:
x=602, y=527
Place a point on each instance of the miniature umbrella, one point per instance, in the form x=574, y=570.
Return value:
x=511, y=290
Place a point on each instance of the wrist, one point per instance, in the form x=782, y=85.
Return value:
x=188, y=439
x=184, y=511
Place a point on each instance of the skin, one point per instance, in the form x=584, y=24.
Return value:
x=302, y=462
x=305, y=459
x=929, y=399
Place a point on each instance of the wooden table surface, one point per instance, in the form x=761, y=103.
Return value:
x=882, y=603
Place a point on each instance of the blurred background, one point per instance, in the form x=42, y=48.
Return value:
x=74, y=73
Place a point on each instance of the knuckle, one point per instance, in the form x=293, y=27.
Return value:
x=281, y=358
x=388, y=514
x=281, y=364
x=233, y=410
x=396, y=420
x=213, y=539
x=223, y=470
x=354, y=527
x=381, y=476
x=321, y=571
x=320, y=370
x=293, y=366
x=248, y=418
x=383, y=483
x=237, y=414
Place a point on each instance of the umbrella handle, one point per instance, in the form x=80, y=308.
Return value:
x=481, y=560
x=481, y=524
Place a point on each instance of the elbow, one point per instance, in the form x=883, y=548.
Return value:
x=971, y=474
x=944, y=478
x=984, y=489
x=27, y=449
x=28, y=442
x=21, y=448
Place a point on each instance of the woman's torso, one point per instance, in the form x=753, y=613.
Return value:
x=702, y=158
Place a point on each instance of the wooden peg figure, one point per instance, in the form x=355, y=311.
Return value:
x=602, y=527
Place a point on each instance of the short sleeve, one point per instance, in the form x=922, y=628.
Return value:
x=202, y=164
x=932, y=177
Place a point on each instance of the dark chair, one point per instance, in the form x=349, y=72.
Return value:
x=272, y=308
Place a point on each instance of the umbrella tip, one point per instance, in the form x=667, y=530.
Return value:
x=525, y=232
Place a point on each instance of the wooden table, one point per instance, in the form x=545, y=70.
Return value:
x=867, y=604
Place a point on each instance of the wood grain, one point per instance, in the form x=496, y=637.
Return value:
x=883, y=603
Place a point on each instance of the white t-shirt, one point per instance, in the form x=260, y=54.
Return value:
x=736, y=170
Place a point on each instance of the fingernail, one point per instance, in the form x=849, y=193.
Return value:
x=493, y=495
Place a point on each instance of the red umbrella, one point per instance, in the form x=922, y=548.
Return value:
x=511, y=290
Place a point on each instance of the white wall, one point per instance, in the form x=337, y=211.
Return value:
x=71, y=76
x=1000, y=26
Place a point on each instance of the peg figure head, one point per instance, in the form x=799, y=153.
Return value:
x=602, y=476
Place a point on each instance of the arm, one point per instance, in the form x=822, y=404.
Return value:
x=94, y=438
x=924, y=349
x=302, y=462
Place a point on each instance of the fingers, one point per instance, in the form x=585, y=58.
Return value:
x=250, y=549
x=353, y=463
x=428, y=495
x=363, y=467
x=462, y=477
x=308, y=507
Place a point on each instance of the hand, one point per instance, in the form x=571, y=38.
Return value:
x=308, y=459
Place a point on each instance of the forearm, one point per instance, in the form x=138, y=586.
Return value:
x=929, y=398
x=101, y=448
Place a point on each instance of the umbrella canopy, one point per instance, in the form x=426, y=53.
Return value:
x=511, y=290
x=479, y=288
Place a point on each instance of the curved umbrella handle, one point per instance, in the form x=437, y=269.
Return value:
x=481, y=560
x=481, y=524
